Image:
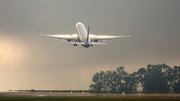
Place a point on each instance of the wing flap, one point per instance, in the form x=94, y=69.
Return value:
x=107, y=37
x=61, y=36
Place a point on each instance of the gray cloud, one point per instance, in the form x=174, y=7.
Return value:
x=31, y=61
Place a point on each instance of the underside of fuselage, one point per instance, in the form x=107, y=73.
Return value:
x=86, y=46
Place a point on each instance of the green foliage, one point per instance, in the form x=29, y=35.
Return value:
x=118, y=80
x=176, y=79
x=153, y=78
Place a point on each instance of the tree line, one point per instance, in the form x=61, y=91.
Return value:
x=153, y=78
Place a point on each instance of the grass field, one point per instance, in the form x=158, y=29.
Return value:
x=80, y=99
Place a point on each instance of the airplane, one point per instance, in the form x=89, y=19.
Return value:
x=83, y=37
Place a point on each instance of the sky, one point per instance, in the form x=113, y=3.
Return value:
x=29, y=61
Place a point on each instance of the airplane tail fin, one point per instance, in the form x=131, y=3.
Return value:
x=88, y=34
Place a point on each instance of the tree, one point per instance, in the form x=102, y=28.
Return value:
x=118, y=80
x=98, y=79
x=154, y=78
x=131, y=82
x=176, y=79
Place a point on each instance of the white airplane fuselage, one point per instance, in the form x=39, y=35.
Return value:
x=82, y=33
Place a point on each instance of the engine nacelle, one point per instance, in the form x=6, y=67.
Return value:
x=68, y=40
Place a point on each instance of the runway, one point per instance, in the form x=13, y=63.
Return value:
x=69, y=94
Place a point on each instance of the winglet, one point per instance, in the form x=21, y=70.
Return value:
x=131, y=33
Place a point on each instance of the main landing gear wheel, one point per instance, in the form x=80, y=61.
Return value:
x=74, y=44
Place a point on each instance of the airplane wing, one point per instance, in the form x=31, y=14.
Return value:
x=66, y=37
x=106, y=37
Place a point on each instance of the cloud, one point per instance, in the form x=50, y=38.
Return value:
x=31, y=61
x=12, y=53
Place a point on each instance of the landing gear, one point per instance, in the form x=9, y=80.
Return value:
x=74, y=44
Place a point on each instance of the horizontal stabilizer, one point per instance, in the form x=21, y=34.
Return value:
x=93, y=43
